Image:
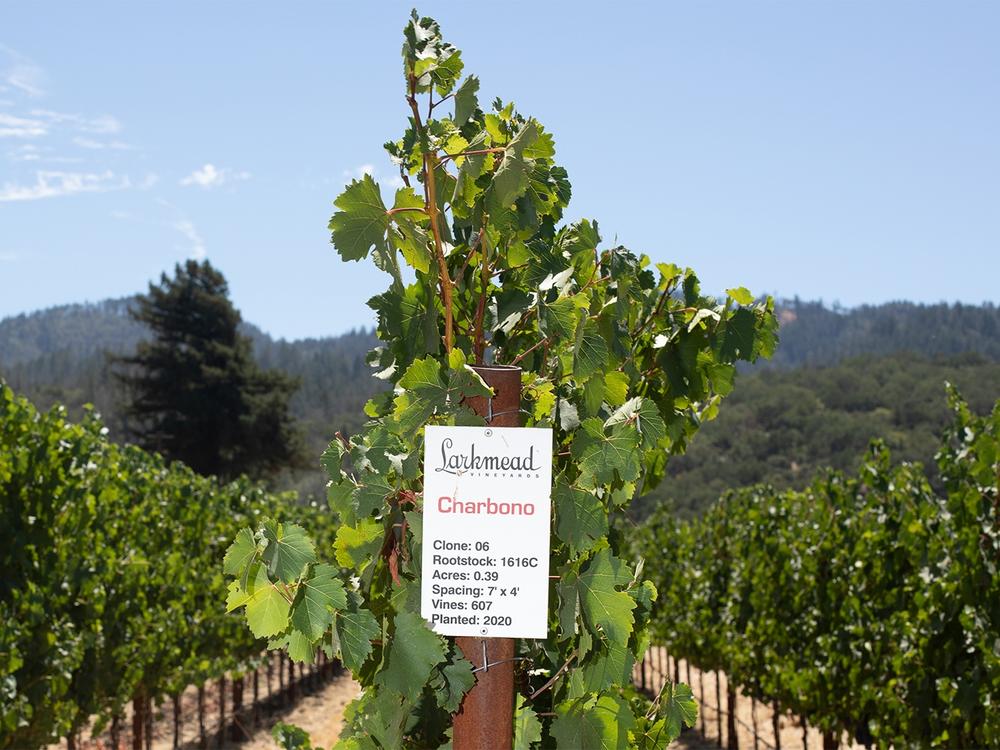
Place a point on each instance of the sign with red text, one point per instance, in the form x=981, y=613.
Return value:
x=486, y=526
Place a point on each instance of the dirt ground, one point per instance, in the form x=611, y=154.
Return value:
x=320, y=714
x=318, y=710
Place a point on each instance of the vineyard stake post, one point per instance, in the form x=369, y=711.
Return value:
x=485, y=720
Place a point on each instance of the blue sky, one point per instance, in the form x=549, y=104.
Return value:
x=848, y=151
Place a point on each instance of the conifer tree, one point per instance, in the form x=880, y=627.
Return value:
x=195, y=393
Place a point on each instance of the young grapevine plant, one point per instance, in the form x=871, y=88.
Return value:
x=623, y=360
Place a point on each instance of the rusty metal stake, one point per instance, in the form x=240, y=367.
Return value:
x=485, y=720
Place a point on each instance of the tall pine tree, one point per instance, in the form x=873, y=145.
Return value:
x=195, y=393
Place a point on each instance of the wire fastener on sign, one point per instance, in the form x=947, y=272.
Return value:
x=487, y=663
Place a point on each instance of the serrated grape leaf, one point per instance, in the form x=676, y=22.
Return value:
x=609, y=665
x=643, y=413
x=603, y=606
x=466, y=100
x=511, y=178
x=339, y=496
x=558, y=320
x=332, y=458
x=464, y=382
x=300, y=648
x=267, y=606
x=589, y=724
x=371, y=494
x=738, y=339
x=741, y=295
x=356, y=544
x=240, y=553
x=454, y=681
x=236, y=596
x=408, y=235
x=361, y=222
x=317, y=598
x=569, y=604
x=580, y=518
x=545, y=400
x=356, y=628
x=414, y=651
x=527, y=727
x=590, y=354
x=424, y=392
x=679, y=708
x=598, y=455
x=289, y=549
x=616, y=388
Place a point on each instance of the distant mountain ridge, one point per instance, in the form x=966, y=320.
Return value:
x=58, y=356
x=813, y=334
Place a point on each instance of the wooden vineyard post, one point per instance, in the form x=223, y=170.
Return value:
x=485, y=720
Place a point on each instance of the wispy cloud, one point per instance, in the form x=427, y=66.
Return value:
x=20, y=73
x=7, y=256
x=100, y=124
x=21, y=127
x=95, y=145
x=210, y=176
x=54, y=184
x=197, y=244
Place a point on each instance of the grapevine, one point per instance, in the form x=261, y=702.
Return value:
x=867, y=604
x=623, y=359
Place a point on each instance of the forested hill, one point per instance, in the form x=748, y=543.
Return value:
x=813, y=334
x=811, y=406
x=781, y=427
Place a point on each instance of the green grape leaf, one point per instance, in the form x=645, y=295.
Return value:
x=454, y=681
x=300, y=648
x=466, y=100
x=355, y=545
x=598, y=455
x=361, y=222
x=602, y=604
x=592, y=724
x=679, y=708
x=414, y=650
x=370, y=496
x=356, y=628
x=581, y=518
x=609, y=665
x=616, y=388
x=267, y=606
x=317, y=597
x=558, y=320
x=645, y=416
x=408, y=235
x=289, y=549
x=236, y=596
x=590, y=354
x=741, y=295
x=424, y=393
x=527, y=727
x=738, y=340
x=511, y=178
x=240, y=553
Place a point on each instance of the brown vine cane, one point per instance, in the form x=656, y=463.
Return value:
x=485, y=720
